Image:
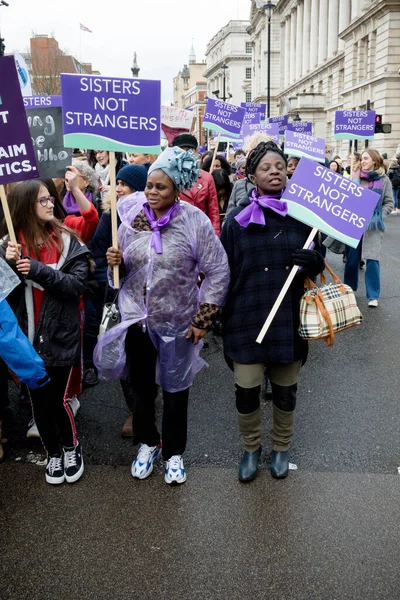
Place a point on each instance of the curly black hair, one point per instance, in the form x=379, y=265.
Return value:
x=255, y=156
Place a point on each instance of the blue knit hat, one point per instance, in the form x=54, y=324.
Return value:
x=133, y=175
x=180, y=166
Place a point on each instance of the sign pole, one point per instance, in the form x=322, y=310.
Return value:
x=7, y=214
x=215, y=152
x=283, y=291
x=114, y=220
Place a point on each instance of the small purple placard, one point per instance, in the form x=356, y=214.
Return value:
x=17, y=155
x=282, y=121
x=334, y=204
x=223, y=117
x=300, y=127
x=300, y=144
x=354, y=124
x=255, y=107
x=270, y=129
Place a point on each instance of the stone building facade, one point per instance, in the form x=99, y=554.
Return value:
x=231, y=46
x=329, y=55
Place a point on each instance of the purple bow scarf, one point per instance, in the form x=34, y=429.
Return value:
x=253, y=213
x=70, y=204
x=157, y=224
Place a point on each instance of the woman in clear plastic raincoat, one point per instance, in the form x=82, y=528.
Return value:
x=164, y=246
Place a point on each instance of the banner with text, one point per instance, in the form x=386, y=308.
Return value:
x=45, y=123
x=17, y=156
x=282, y=121
x=270, y=129
x=300, y=127
x=108, y=113
x=175, y=121
x=255, y=107
x=336, y=205
x=224, y=118
x=354, y=124
x=300, y=144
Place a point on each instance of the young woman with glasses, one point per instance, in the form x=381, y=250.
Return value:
x=53, y=265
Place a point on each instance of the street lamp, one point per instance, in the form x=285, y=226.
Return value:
x=297, y=118
x=2, y=45
x=216, y=93
x=268, y=7
x=224, y=68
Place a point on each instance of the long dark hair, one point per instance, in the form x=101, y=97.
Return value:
x=207, y=161
x=222, y=181
x=22, y=201
x=92, y=160
x=59, y=211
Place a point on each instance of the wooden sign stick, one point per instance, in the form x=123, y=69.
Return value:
x=215, y=152
x=114, y=219
x=7, y=214
x=283, y=291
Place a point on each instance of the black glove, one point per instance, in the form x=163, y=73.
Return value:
x=311, y=261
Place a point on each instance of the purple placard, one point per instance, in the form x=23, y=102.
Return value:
x=223, y=117
x=300, y=144
x=300, y=127
x=108, y=113
x=237, y=146
x=42, y=101
x=282, y=121
x=17, y=155
x=354, y=124
x=334, y=204
x=254, y=119
x=270, y=129
x=255, y=107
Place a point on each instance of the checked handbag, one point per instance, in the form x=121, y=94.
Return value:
x=328, y=309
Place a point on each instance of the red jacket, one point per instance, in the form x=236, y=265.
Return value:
x=203, y=194
x=85, y=225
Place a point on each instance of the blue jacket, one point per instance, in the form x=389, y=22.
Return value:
x=17, y=351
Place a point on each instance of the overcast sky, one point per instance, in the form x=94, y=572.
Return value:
x=160, y=31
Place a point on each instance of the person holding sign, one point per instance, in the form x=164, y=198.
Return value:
x=54, y=264
x=165, y=245
x=372, y=176
x=263, y=243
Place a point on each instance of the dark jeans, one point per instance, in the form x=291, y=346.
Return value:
x=52, y=413
x=142, y=360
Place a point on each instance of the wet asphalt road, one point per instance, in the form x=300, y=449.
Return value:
x=330, y=531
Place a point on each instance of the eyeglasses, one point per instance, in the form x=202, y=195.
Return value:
x=44, y=201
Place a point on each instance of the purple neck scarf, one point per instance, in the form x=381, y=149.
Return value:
x=253, y=213
x=157, y=224
x=70, y=204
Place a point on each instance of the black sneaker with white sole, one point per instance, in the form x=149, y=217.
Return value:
x=73, y=463
x=55, y=470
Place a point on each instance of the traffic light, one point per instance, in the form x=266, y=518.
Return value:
x=381, y=127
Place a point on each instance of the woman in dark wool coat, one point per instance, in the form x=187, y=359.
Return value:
x=263, y=243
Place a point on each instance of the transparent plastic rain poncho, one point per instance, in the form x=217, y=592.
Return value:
x=172, y=297
x=8, y=280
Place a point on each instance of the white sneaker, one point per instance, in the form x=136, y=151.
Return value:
x=142, y=466
x=55, y=470
x=32, y=430
x=74, y=404
x=373, y=303
x=174, y=470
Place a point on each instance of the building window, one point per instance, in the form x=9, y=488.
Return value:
x=248, y=48
x=248, y=96
x=248, y=72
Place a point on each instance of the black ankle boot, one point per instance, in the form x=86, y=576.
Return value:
x=248, y=465
x=279, y=464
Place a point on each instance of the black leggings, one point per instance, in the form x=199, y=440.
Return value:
x=142, y=360
x=52, y=413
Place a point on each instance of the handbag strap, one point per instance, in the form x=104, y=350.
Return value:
x=335, y=278
x=329, y=339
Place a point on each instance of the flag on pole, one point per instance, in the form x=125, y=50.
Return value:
x=84, y=28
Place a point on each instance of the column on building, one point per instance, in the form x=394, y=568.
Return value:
x=355, y=6
x=306, y=35
x=287, y=51
x=282, y=56
x=333, y=18
x=299, y=41
x=323, y=31
x=344, y=18
x=292, y=63
x=314, y=34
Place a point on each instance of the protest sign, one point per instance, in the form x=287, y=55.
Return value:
x=300, y=144
x=328, y=202
x=108, y=113
x=334, y=204
x=175, y=121
x=17, y=156
x=300, y=127
x=354, y=124
x=224, y=118
x=23, y=75
x=45, y=123
x=255, y=107
x=282, y=121
x=270, y=129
